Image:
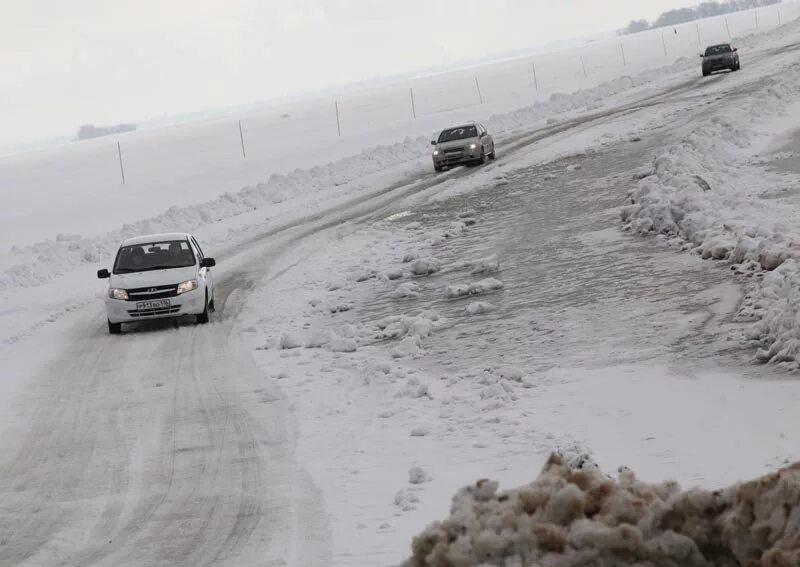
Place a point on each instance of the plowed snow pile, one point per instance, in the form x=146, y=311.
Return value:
x=567, y=518
x=711, y=193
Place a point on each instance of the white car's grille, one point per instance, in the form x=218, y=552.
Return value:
x=155, y=292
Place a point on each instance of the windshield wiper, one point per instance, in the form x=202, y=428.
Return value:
x=151, y=268
x=147, y=269
x=169, y=267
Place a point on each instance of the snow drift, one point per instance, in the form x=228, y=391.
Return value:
x=40, y=262
x=701, y=195
x=43, y=261
x=776, y=305
x=569, y=517
x=475, y=288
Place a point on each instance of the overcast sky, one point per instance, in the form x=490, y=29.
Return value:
x=64, y=63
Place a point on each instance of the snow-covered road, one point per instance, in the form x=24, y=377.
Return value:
x=170, y=446
x=167, y=446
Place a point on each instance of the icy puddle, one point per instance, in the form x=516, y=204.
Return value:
x=576, y=290
x=471, y=338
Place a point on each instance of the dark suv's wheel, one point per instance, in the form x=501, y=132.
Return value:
x=114, y=328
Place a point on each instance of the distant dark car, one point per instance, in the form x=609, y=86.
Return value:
x=718, y=57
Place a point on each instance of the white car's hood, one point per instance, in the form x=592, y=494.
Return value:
x=153, y=278
x=464, y=142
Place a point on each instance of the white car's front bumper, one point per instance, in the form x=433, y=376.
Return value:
x=189, y=303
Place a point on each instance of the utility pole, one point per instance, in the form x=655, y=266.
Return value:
x=241, y=138
x=478, y=86
x=121, y=169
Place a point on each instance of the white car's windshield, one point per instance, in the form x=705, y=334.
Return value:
x=154, y=256
x=458, y=134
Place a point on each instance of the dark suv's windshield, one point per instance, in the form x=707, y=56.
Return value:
x=718, y=49
x=154, y=256
x=461, y=133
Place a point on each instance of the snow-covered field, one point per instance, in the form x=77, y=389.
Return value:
x=190, y=163
x=387, y=335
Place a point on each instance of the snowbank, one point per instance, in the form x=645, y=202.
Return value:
x=405, y=290
x=586, y=99
x=479, y=308
x=704, y=194
x=409, y=346
x=489, y=265
x=399, y=326
x=776, y=305
x=569, y=517
x=425, y=266
x=475, y=288
x=45, y=260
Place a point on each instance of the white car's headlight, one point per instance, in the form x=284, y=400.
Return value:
x=436, y=152
x=187, y=286
x=120, y=294
x=473, y=146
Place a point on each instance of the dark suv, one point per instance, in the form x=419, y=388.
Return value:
x=718, y=57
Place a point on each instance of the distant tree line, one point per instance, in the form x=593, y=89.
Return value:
x=704, y=10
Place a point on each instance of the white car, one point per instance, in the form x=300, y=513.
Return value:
x=157, y=276
x=470, y=143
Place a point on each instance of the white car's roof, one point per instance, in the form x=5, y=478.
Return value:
x=161, y=237
x=464, y=125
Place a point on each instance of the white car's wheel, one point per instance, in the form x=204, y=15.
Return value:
x=202, y=318
x=114, y=328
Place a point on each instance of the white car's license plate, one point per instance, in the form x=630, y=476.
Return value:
x=154, y=304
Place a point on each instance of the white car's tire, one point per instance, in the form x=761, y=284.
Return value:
x=114, y=328
x=202, y=318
